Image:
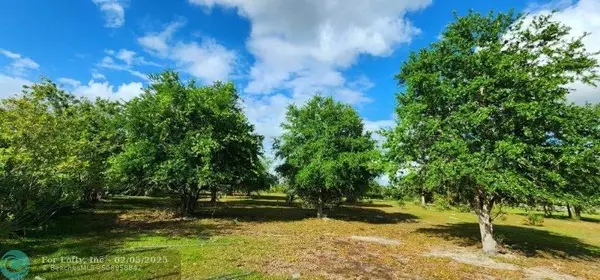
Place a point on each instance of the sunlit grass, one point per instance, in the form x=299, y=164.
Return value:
x=265, y=238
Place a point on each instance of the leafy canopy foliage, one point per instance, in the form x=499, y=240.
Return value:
x=187, y=138
x=325, y=151
x=53, y=152
x=577, y=151
x=481, y=106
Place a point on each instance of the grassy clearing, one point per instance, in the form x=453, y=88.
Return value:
x=264, y=238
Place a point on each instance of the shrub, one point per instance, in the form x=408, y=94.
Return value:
x=463, y=208
x=278, y=188
x=441, y=202
x=533, y=219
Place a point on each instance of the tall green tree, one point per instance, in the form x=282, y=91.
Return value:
x=38, y=162
x=480, y=107
x=261, y=179
x=577, y=150
x=186, y=138
x=326, y=153
x=100, y=136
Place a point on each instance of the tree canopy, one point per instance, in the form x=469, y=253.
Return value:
x=481, y=107
x=326, y=153
x=187, y=138
x=53, y=152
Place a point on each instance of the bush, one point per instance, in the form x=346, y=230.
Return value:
x=441, y=202
x=533, y=219
x=278, y=188
x=463, y=208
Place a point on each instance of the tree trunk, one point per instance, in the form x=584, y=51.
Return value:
x=320, y=205
x=189, y=201
x=569, y=211
x=351, y=199
x=548, y=210
x=483, y=209
x=320, y=210
x=213, y=195
x=577, y=210
x=423, y=200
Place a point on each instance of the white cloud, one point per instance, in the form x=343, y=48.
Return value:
x=291, y=40
x=69, y=82
x=19, y=64
x=375, y=126
x=114, y=12
x=158, y=42
x=130, y=58
x=583, y=16
x=302, y=47
x=109, y=63
x=126, y=55
x=93, y=89
x=207, y=60
x=98, y=76
x=10, y=86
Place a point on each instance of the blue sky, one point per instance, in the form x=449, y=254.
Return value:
x=276, y=51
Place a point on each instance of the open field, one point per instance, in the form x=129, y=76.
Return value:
x=264, y=238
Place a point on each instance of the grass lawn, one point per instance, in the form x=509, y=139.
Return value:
x=265, y=238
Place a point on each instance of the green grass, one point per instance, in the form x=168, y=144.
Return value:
x=265, y=238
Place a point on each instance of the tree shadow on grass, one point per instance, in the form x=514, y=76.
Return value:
x=528, y=241
x=368, y=204
x=269, y=197
x=102, y=231
x=274, y=210
x=134, y=203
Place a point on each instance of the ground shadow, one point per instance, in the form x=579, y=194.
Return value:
x=526, y=240
x=279, y=210
x=368, y=204
x=101, y=231
x=268, y=197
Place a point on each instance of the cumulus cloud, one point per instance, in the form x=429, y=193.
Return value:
x=207, y=60
x=303, y=47
x=19, y=64
x=104, y=89
x=113, y=11
x=290, y=40
x=582, y=16
x=69, y=82
x=10, y=86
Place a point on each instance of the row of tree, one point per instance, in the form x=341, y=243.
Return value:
x=60, y=151
x=483, y=118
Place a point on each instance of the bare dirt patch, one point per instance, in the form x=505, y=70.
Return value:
x=481, y=260
x=546, y=273
x=472, y=258
x=376, y=239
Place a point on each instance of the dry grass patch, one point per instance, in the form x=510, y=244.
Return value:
x=265, y=238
